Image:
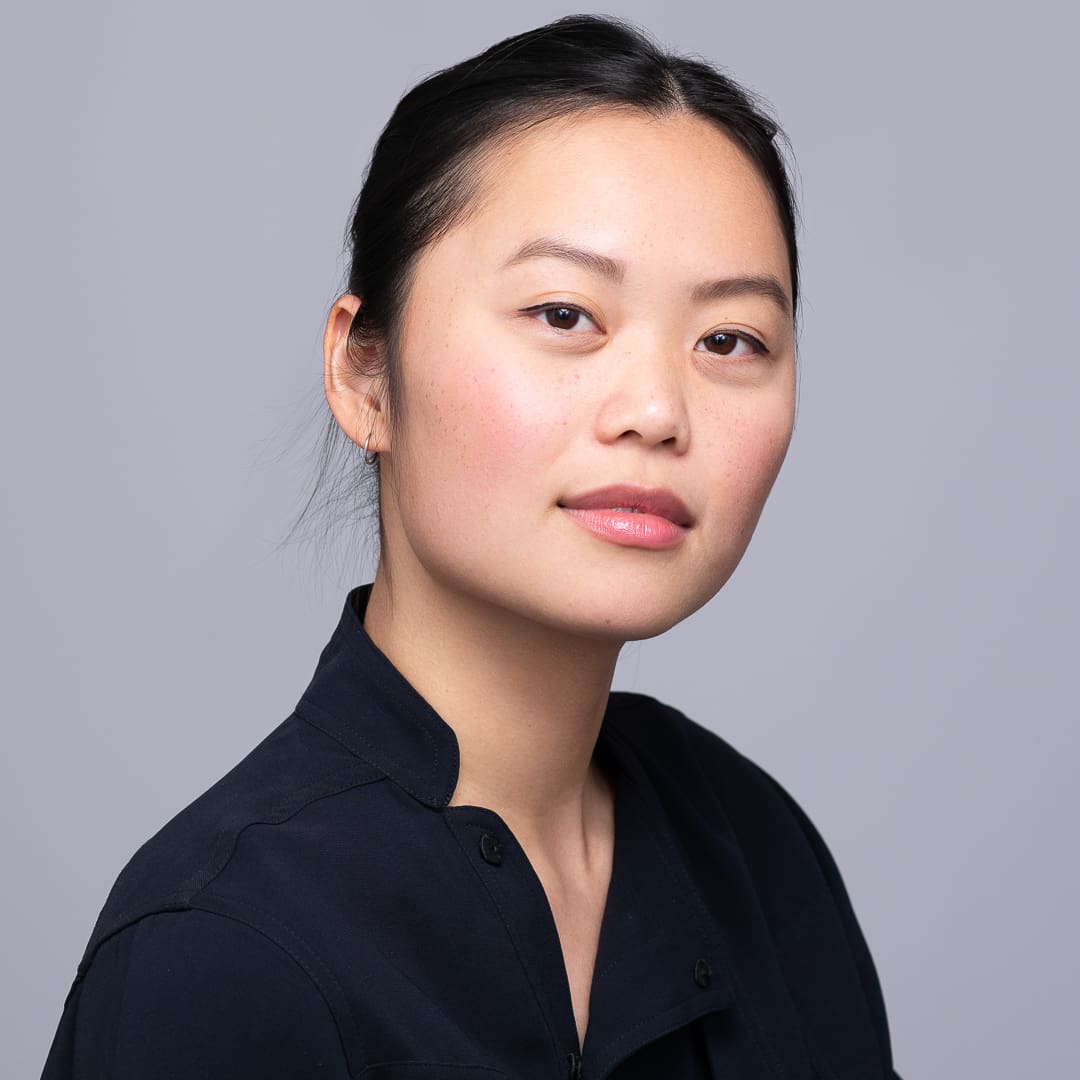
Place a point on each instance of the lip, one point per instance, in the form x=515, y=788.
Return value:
x=631, y=516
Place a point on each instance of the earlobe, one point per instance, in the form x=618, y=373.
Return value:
x=354, y=390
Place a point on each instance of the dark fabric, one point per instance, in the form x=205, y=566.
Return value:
x=322, y=912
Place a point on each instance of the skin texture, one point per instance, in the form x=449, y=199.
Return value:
x=491, y=599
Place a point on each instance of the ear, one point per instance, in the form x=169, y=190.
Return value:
x=356, y=399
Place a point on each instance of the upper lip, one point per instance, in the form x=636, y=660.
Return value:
x=658, y=501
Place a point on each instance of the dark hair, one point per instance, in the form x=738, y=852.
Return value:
x=427, y=163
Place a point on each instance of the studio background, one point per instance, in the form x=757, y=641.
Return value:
x=899, y=645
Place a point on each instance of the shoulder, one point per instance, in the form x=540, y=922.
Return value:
x=170, y=996
x=703, y=780
x=192, y=923
x=293, y=769
x=678, y=751
x=718, y=800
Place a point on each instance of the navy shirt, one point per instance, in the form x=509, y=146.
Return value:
x=322, y=912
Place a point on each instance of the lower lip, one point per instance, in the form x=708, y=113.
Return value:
x=630, y=530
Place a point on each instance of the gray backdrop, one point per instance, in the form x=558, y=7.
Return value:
x=899, y=645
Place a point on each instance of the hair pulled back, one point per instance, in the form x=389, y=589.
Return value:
x=426, y=165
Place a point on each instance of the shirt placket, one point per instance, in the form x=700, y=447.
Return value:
x=521, y=907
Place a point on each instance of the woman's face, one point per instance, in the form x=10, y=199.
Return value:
x=597, y=378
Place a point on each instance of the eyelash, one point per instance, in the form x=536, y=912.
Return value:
x=754, y=343
x=555, y=305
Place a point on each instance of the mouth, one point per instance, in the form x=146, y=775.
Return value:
x=650, y=518
x=626, y=499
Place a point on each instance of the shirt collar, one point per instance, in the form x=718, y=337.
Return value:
x=356, y=690
x=659, y=938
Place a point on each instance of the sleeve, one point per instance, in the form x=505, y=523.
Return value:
x=830, y=970
x=859, y=949
x=193, y=994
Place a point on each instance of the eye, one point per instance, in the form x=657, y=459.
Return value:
x=732, y=343
x=562, y=316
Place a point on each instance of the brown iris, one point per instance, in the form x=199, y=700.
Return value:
x=562, y=318
x=721, y=343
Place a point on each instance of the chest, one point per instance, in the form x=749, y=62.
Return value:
x=440, y=948
x=578, y=925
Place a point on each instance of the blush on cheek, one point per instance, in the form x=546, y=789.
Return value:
x=770, y=444
x=754, y=459
x=515, y=425
x=751, y=441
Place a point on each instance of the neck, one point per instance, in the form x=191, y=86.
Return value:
x=525, y=701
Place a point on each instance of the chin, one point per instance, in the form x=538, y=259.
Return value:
x=620, y=614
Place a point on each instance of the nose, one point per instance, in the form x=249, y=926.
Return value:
x=644, y=399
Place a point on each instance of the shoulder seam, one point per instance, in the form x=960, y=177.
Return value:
x=218, y=906
x=223, y=847
x=284, y=811
x=279, y=946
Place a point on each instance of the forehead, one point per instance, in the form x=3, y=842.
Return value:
x=674, y=196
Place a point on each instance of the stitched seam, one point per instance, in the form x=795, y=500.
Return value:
x=121, y=1012
x=509, y=933
x=262, y=933
x=374, y=750
x=189, y=887
x=433, y=1064
x=628, y=1034
x=758, y=1034
x=244, y=904
x=281, y=813
x=391, y=685
x=225, y=806
x=742, y=1002
x=329, y=975
x=389, y=957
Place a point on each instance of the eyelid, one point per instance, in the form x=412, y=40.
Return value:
x=554, y=305
x=744, y=336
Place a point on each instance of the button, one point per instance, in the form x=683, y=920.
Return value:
x=702, y=973
x=573, y=1066
x=491, y=849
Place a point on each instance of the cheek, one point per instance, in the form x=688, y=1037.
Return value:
x=479, y=419
x=747, y=457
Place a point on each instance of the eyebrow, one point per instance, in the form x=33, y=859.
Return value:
x=756, y=285
x=549, y=248
x=612, y=270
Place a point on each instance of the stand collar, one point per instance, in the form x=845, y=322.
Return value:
x=359, y=698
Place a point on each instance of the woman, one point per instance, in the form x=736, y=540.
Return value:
x=568, y=352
